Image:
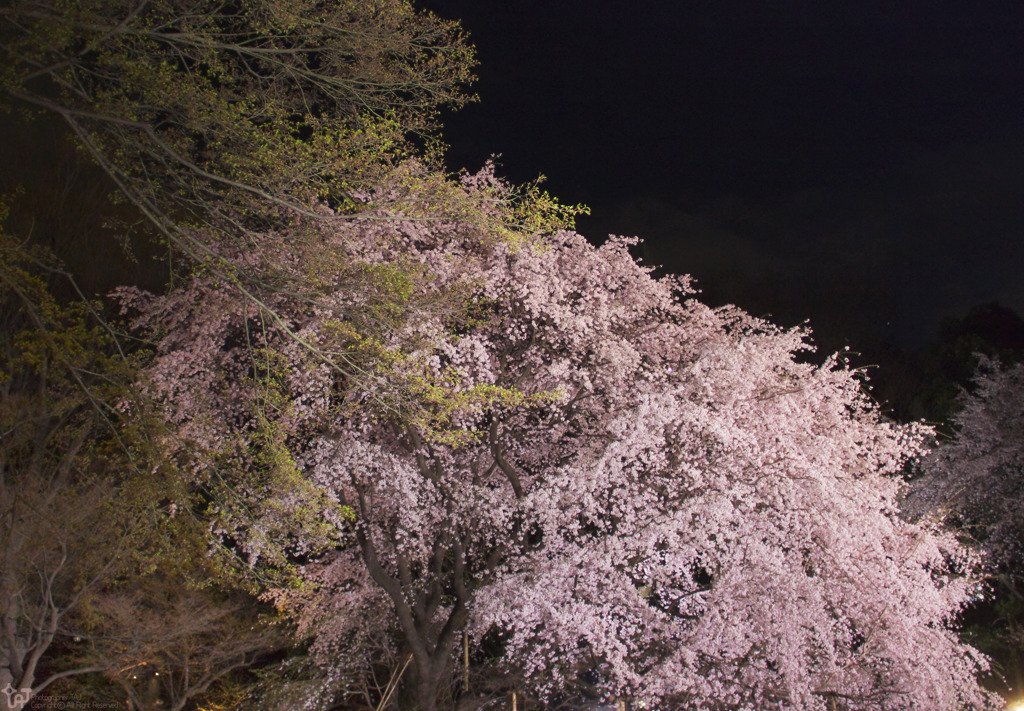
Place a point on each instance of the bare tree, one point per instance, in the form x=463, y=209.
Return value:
x=166, y=643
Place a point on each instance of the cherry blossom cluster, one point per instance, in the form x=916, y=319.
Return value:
x=666, y=498
x=976, y=479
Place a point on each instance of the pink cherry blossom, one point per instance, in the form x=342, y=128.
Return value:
x=674, y=502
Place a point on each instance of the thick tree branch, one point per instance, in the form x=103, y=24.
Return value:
x=499, y=459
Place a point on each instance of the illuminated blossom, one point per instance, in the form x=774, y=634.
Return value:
x=662, y=495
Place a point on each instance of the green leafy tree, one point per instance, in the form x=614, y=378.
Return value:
x=99, y=576
x=208, y=109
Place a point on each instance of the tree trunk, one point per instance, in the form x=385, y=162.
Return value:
x=426, y=694
x=426, y=684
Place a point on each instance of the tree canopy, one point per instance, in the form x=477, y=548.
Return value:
x=237, y=110
x=974, y=481
x=635, y=496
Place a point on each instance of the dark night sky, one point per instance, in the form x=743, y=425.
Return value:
x=858, y=164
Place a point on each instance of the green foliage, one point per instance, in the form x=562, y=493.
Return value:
x=236, y=115
x=107, y=567
x=532, y=210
